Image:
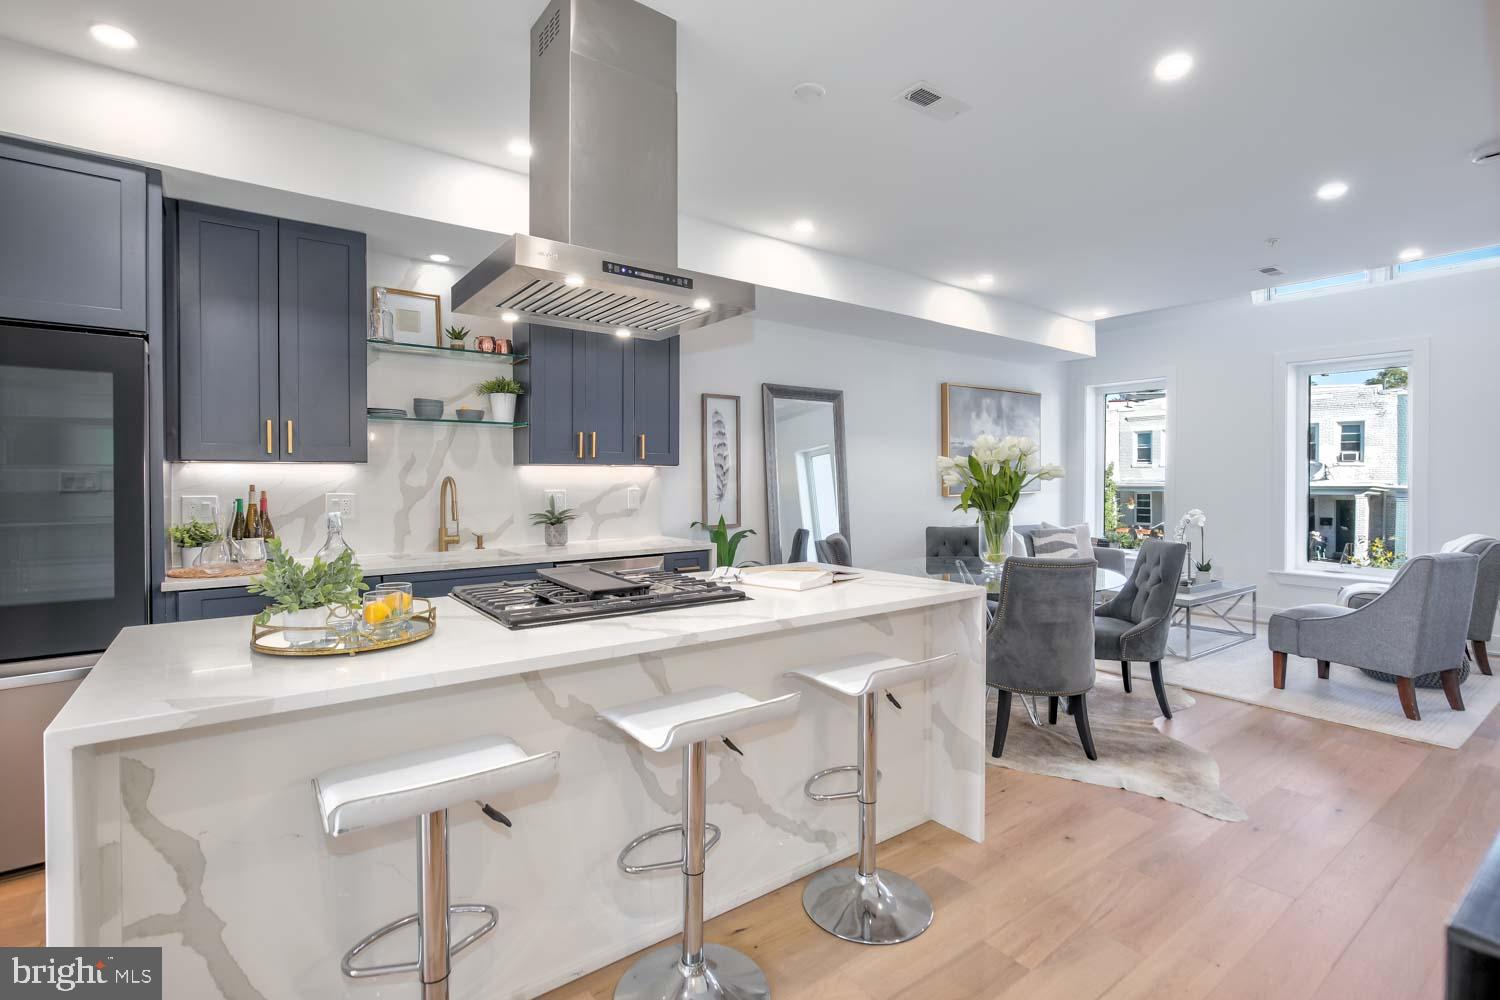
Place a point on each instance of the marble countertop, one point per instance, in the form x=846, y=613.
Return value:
x=382, y=564
x=171, y=677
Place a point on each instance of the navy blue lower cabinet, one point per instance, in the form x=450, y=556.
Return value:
x=225, y=602
x=687, y=562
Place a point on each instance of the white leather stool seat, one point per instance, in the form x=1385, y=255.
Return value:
x=675, y=720
x=407, y=785
x=858, y=675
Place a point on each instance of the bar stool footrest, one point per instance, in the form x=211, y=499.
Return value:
x=807, y=786
x=364, y=972
x=714, y=833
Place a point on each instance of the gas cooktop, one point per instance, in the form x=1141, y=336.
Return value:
x=550, y=602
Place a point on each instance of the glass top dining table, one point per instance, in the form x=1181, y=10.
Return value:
x=971, y=570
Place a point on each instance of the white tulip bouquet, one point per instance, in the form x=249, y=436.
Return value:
x=990, y=480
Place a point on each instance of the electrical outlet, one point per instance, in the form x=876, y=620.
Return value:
x=341, y=504
x=561, y=496
x=200, y=509
x=632, y=498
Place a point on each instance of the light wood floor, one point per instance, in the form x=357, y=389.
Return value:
x=1339, y=885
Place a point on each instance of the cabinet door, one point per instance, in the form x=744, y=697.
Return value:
x=322, y=345
x=607, y=399
x=656, y=383
x=72, y=239
x=552, y=399
x=226, y=335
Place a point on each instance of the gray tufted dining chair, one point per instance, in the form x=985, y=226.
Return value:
x=953, y=542
x=835, y=550
x=1134, y=624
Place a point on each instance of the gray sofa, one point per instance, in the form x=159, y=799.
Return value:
x=1417, y=626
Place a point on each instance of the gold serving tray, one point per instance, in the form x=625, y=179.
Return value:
x=280, y=640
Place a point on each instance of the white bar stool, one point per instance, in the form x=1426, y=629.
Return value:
x=424, y=784
x=867, y=905
x=686, y=721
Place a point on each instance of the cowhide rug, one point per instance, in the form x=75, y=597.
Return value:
x=1133, y=755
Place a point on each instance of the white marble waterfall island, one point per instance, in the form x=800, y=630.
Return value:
x=180, y=810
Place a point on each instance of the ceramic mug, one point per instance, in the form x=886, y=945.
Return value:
x=485, y=344
x=504, y=347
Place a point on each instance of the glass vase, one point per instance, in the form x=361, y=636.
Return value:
x=994, y=526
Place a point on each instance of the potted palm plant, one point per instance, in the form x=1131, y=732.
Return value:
x=190, y=539
x=554, y=522
x=726, y=545
x=304, y=597
x=991, y=479
x=501, y=393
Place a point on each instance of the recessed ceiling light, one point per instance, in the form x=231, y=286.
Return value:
x=701, y=304
x=984, y=280
x=574, y=279
x=1101, y=313
x=1333, y=190
x=519, y=147
x=508, y=317
x=1410, y=253
x=621, y=332
x=804, y=227
x=112, y=37
x=809, y=93
x=1173, y=66
x=439, y=258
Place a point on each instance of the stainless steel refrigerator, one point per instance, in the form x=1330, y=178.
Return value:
x=73, y=545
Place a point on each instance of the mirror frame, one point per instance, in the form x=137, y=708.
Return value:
x=769, y=393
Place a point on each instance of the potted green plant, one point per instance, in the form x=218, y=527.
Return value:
x=190, y=539
x=303, y=597
x=725, y=544
x=554, y=522
x=456, y=335
x=501, y=392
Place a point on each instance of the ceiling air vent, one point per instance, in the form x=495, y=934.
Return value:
x=1272, y=272
x=933, y=103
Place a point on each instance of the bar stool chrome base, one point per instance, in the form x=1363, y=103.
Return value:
x=883, y=908
x=725, y=974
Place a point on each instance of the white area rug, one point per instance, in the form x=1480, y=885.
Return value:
x=1348, y=697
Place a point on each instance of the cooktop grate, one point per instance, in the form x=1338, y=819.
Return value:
x=540, y=602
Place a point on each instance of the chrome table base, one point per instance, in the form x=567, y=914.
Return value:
x=725, y=974
x=883, y=908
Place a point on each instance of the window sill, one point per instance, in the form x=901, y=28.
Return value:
x=1322, y=579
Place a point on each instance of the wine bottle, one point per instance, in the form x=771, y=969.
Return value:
x=267, y=529
x=252, y=515
x=237, y=530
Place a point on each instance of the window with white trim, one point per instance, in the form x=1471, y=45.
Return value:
x=1142, y=447
x=1143, y=509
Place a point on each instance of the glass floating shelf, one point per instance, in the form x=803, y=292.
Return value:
x=449, y=352
x=445, y=420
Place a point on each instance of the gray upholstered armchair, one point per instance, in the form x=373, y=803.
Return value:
x=1486, y=597
x=1106, y=557
x=1042, y=640
x=1416, y=627
x=1134, y=624
x=953, y=542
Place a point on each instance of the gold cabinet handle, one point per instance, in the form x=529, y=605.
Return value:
x=580, y=444
x=268, y=438
x=593, y=444
x=643, y=447
x=290, y=445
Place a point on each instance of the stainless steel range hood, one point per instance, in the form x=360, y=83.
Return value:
x=602, y=253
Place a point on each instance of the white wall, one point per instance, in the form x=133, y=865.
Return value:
x=891, y=425
x=1220, y=364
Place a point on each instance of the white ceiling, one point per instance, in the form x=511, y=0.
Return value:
x=1077, y=179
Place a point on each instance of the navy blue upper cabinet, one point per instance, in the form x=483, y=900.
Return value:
x=656, y=406
x=591, y=396
x=72, y=239
x=227, y=394
x=268, y=335
x=322, y=343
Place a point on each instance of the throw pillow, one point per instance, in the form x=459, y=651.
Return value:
x=1055, y=543
x=1085, y=537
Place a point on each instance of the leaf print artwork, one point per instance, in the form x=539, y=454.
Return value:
x=720, y=448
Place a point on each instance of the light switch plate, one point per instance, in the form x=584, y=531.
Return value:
x=341, y=504
x=200, y=509
x=561, y=495
x=632, y=498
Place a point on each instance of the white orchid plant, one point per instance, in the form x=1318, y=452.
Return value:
x=1195, y=518
x=990, y=479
